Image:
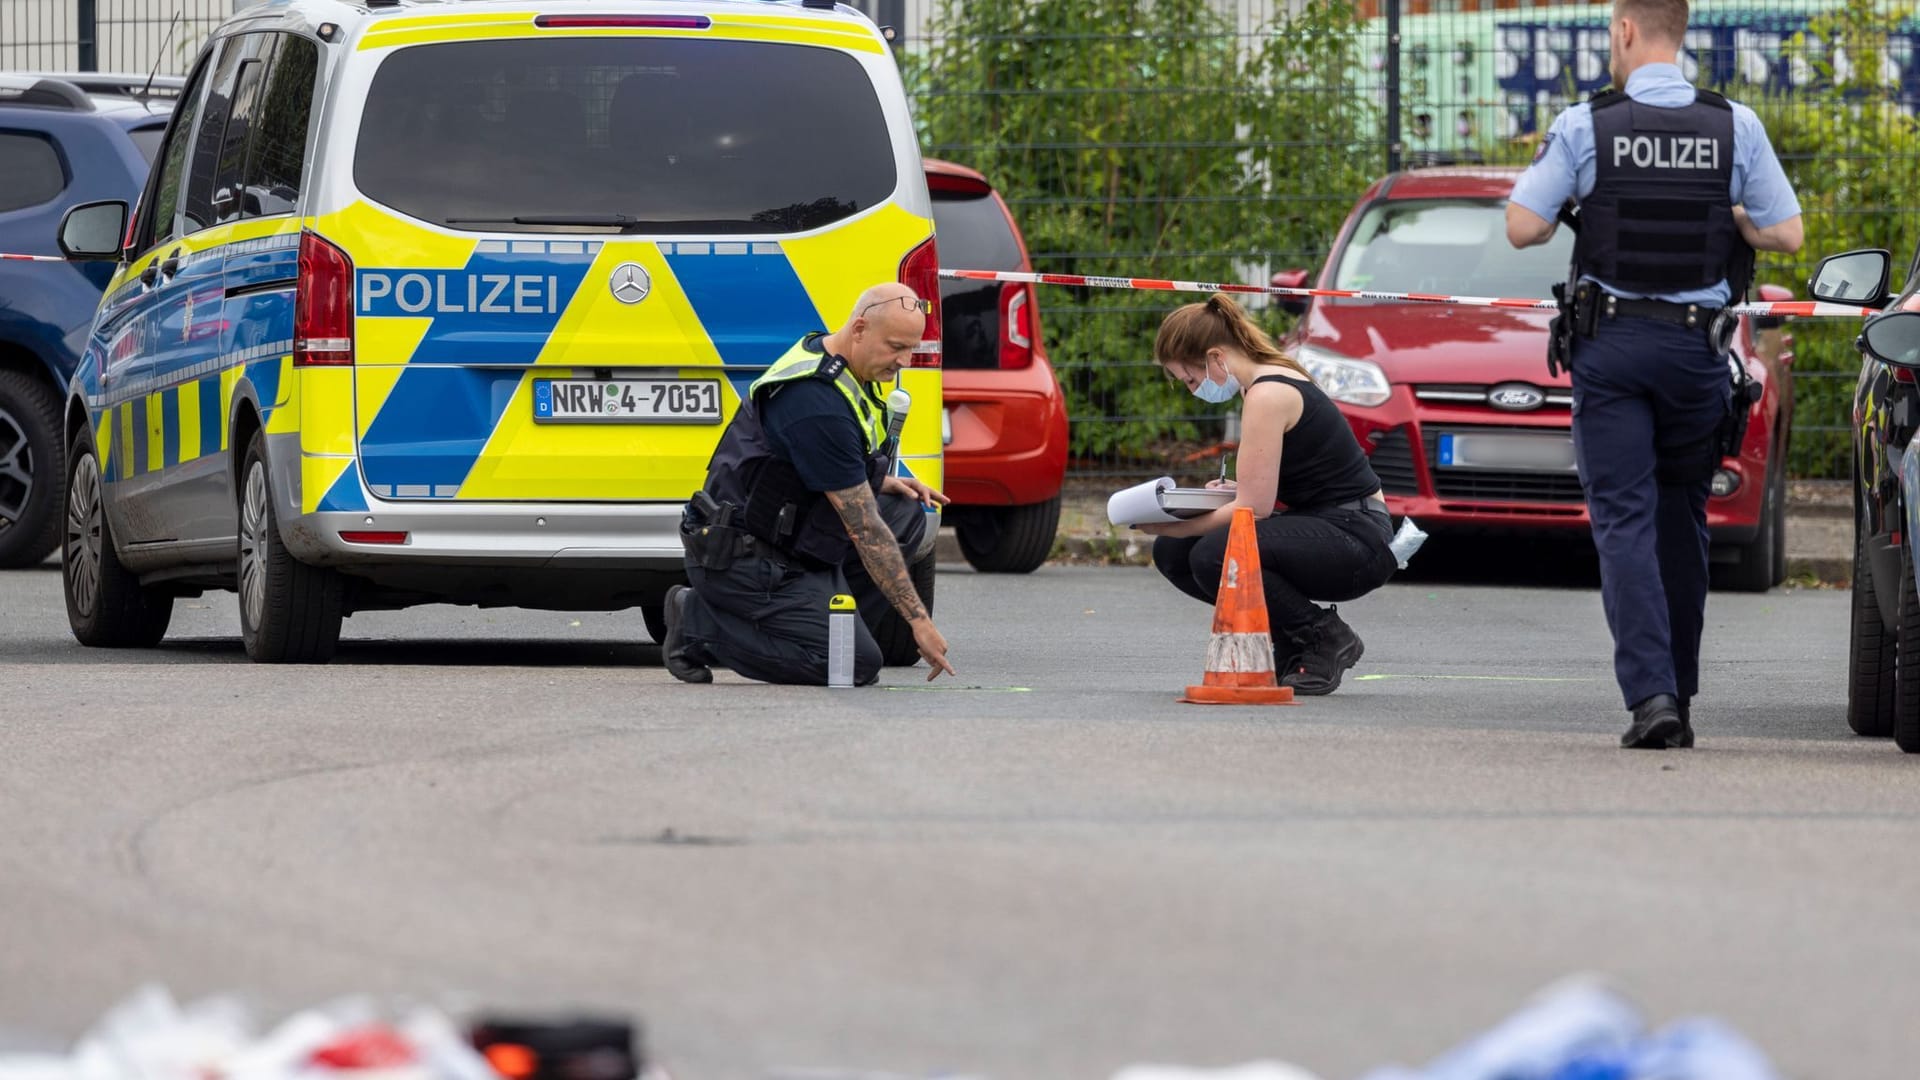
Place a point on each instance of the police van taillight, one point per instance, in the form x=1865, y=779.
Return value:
x=323, y=304
x=920, y=271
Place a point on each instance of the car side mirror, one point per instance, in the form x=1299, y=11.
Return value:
x=91, y=232
x=1893, y=338
x=1857, y=277
x=1291, y=279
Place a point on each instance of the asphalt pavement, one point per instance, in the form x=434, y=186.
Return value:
x=1047, y=868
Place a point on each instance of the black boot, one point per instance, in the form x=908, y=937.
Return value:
x=674, y=649
x=1657, y=725
x=1685, y=741
x=1328, y=647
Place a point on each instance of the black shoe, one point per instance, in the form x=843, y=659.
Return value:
x=674, y=649
x=1685, y=741
x=1327, y=649
x=1657, y=725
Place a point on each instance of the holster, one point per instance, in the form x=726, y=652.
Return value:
x=1560, y=333
x=708, y=533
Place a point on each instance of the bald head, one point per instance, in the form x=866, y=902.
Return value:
x=879, y=336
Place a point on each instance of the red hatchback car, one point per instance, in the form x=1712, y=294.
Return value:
x=1465, y=427
x=1006, y=419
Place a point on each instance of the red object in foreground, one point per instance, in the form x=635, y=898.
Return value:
x=365, y=1048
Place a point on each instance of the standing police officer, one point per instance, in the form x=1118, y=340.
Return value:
x=798, y=504
x=1673, y=186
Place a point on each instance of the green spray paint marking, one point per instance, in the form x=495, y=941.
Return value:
x=1479, y=678
x=961, y=689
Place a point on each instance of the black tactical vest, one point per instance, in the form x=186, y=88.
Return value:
x=1660, y=218
x=776, y=507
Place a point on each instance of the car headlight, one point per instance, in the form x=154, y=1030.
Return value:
x=1355, y=382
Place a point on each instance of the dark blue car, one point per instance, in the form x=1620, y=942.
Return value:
x=64, y=139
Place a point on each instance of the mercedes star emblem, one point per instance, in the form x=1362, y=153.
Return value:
x=630, y=283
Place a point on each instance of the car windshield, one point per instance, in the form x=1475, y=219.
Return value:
x=625, y=134
x=1453, y=246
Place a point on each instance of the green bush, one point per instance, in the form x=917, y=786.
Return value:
x=1172, y=147
x=1850, y=151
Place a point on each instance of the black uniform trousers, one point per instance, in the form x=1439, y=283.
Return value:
x=1648, y=401
x=766, y=617
x=1327, y=553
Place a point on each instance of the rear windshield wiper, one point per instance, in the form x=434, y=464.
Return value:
x=623, y=222
x=609, y=221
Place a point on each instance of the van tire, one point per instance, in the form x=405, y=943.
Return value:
x=1008, y=539
x=106, y=605
x=290, y=612
x=894, y=636
x=30, y=470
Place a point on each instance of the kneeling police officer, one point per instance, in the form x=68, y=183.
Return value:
x=798, y=508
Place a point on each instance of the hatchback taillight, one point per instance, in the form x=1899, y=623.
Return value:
x=323, y=304
x=1016, y=326
x=920, y=271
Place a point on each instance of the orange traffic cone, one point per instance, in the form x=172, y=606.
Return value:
x=1240, y=655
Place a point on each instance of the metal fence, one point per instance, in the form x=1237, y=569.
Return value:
x=107, y=35
x=1426, y=82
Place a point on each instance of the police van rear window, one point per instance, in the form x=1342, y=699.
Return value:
x=631, y=135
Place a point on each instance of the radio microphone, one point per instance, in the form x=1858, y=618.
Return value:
x=898, y=403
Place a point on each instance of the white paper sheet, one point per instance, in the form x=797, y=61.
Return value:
x=1140, y=503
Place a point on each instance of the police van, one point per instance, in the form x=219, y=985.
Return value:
x=449, y=302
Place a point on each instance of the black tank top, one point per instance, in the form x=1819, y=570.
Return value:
x=1321, y=463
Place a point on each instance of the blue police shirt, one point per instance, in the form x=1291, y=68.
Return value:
x=1563, y=167
x=808, y=422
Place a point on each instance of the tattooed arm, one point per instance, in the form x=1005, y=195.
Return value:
x=879, y=550
x=880, y=554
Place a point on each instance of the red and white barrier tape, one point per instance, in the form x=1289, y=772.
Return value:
x=1806, y=309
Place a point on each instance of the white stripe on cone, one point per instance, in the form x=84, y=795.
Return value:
x=1248, y=654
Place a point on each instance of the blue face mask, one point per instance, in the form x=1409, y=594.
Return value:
x=1214, y=393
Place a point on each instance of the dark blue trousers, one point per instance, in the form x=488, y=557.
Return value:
x=1648, y=401
x=767, y=618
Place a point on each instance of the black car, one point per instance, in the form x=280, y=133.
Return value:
x=1883, y=666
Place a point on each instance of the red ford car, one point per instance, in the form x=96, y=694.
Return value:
x=1006, y=423
x=1465, y=427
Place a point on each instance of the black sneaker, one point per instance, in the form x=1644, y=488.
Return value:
x=674, y=649
x=1327, y=649
x=1658, y=725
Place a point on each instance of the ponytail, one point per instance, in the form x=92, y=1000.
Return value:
x=1191, y=330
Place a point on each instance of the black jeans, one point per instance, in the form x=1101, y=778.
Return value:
x=1305, y=555
x=766, y=618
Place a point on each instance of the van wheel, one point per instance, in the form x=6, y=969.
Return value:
x=891, y=631
x=29, y=470
x=106, y=604
x=1870, y=656
x=654, y=614
x=1008, y=539
x=289, y=611
x=1906, y=664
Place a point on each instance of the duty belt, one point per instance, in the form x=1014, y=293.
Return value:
x=1691, y=316
x=1717, y=322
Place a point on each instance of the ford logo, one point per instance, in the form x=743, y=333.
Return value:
x=1516, y=397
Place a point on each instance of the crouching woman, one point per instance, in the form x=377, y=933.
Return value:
x=1296, y=450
